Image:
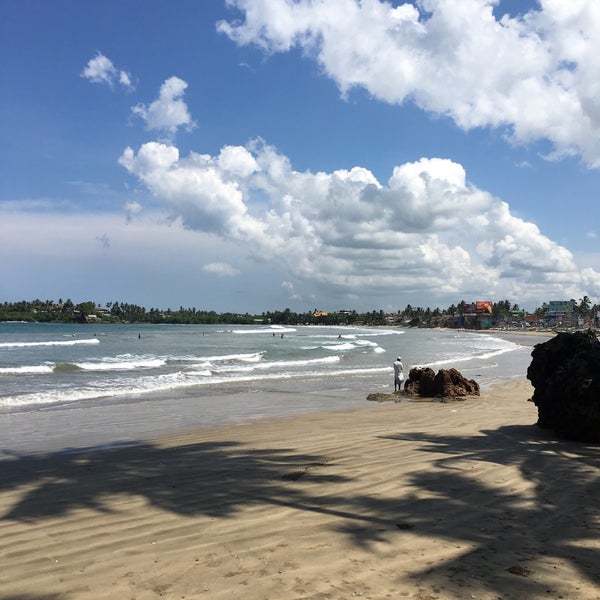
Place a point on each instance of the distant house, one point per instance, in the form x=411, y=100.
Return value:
x=320, y=313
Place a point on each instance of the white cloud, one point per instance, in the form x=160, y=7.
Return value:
x=536, y=74
x=428, y=231
x=288, y=286
x=168, y=112
x=221, y=269
x=101, y=69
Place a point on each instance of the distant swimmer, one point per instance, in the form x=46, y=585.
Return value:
x=139, y=336
x=398, y=374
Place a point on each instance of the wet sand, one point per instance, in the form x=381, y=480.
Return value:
x=413, y=500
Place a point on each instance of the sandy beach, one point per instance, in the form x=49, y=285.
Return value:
x=420, y=500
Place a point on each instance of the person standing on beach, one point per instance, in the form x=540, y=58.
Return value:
x=398, y=374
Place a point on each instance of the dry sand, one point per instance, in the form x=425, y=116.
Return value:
x=414, y=500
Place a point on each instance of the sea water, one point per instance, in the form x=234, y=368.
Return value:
x=43, y=365
x=72, y=387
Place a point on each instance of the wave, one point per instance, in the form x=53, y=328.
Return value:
x=26, y=370
x=279, y=364
x=166, y=383
x=248, y=357
x=340, y=347
x=273, y=329
x=455, y=359
x=121, y=364
x=48, y=343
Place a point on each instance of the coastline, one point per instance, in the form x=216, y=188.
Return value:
x=118, y=419
x=416, y=500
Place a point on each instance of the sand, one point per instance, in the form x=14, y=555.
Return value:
x=414, y=500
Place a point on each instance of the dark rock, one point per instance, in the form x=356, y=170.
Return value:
x=447, y=383
x=383, y=397
x=565, y=374
x=420, y=382
x=450, y=383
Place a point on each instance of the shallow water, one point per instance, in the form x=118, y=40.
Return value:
x=66, y=386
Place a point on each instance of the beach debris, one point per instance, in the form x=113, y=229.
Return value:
x=565, y=374
x=446, y=383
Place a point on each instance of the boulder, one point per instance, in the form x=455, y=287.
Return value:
x=450, y=383
x=565, y=374
x=420, y=382
x=446, y=383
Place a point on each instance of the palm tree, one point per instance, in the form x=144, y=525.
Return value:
x=584, y=305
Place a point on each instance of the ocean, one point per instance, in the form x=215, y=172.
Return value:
x=192, y=375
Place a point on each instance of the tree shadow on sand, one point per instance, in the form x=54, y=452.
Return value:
x=214, y=479
x=556, y=520
x=218, y=479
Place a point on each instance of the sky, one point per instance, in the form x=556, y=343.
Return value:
x=254, y=155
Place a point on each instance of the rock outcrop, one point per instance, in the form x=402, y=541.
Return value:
x=565, y=374
x=446, y=383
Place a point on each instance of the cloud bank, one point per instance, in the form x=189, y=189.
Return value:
x=426, y=232
x=535, y=76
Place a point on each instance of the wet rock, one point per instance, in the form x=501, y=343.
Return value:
x=446, y=383
x=383, y=397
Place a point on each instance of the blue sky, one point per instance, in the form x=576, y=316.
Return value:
x=258, y=155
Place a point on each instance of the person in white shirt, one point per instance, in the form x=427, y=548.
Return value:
x=398, y=374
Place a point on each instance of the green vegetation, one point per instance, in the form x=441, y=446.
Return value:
x=463, y=314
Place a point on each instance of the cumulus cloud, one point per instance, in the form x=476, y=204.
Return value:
x=169, y=111
x=101, y=69
x=427, y=230
x=535, y=75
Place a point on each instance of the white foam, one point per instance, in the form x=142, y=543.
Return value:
x=48, y=343
x=123, y=364
x=273, y=329
x=29, y=369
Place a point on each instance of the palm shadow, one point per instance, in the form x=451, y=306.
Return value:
x=218, y=479
x=214, y=479
x=556, y=517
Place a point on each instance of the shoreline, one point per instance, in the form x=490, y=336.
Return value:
x=76, y=428
x=122, y=420
x=416, y=500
